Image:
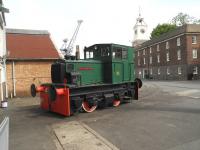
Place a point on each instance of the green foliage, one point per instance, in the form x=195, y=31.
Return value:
x=182, y=19
x=178, y=20
x=161, y=29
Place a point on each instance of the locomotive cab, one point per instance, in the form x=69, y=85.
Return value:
x=117, y=61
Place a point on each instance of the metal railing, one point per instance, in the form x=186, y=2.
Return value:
x=4, y=134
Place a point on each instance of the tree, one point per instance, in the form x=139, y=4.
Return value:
x=161, y=29
x=178, y=20
x=182, y=19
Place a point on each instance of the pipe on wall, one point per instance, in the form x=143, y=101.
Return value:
x=13, y=79
x=5, y=73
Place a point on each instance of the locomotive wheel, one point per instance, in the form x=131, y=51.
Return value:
x=116, y=102
x=87, y=108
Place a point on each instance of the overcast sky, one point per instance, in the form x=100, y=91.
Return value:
x=104, y=21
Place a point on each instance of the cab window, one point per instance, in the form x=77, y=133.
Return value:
x=105, y=51
x=124, y=53
x=89, y=54
x=117, y=53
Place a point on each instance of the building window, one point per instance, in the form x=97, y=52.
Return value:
x=194, y=39
x=158, y=48
x=158, y=58
x=143, y=51
x=195, y=70
x=150, y=59
x=179, y=54
x=167, y=45
x=158, y=70
x=150, y=50
x=144, y=61
x=138, y=62
x=194, y=53
x=179, y=70
x=167, y=56
x=178, y=41
x=168, y=71
x=138, y=53
x=151, y=71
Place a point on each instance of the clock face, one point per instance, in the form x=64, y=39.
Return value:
x=142, y=31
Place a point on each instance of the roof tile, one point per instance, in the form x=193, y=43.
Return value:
x=30, y=46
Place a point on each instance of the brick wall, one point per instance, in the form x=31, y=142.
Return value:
x=190, y=47
x=26, y=73
x=173, y=73
x=187, y=63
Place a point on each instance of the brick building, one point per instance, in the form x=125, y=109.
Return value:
x=31, y=53
x=173, y=56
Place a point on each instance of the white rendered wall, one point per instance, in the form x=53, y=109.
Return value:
x=2, y=50
x=140, y=35
x=3, y=87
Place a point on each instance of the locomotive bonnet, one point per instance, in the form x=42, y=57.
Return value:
x=105, y=77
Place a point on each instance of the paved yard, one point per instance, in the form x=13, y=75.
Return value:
x=181, y=88
x=166, y=117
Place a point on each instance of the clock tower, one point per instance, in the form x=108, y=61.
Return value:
x=140, y=32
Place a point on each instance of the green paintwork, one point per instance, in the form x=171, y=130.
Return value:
x=123, y=69
x=101, y=67
x=90, y=71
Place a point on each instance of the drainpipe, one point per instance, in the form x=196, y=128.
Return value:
x=5, y=74
x=13, y=79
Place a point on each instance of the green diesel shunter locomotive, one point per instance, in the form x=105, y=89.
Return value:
x=105, y=77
